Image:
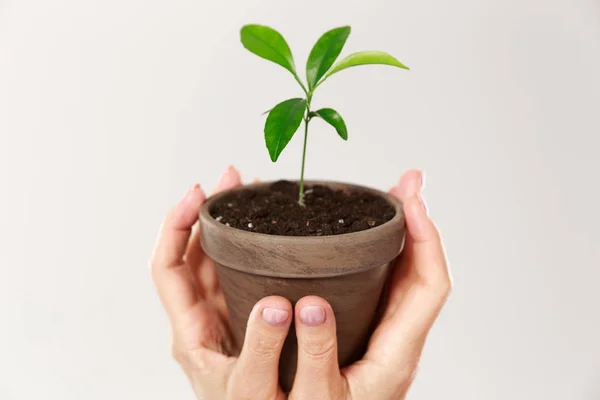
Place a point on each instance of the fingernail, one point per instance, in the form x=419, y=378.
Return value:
x=409, y=184
x=190, y=192
x=312, y=315
x=416, y=217
x=418, y=183
x=422, y=187
x=226, y=176
x=274, y=316
x=423, y=204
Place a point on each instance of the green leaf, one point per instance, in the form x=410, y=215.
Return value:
x=364, y=58
x=267, y=43
x=324, y=53
x=283, y=121
x=334, y=119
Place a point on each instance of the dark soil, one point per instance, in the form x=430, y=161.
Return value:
x=275, y=210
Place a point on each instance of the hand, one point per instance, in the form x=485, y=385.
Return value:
x=418, y=289
x=189, y=290
x=188, y=287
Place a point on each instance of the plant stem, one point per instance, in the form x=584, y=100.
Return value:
x=301, y=194
x=306, y=121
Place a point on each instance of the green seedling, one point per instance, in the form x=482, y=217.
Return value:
x=286, y=117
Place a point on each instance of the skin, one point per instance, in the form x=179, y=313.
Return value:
x=189, y=290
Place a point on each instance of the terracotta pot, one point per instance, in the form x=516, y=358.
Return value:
x=349, y=271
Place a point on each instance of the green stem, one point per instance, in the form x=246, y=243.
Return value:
x=301, y=194
x=306, y=121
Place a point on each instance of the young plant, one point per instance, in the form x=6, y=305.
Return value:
x=286, y=117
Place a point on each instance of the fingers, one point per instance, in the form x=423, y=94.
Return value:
x=423, y=253
x=256, y=371
x=419, y=285
x=425, y=250
x=318, y=370
x=176, y=228
x=417, y=291
x=229, y=179
x=409, y=184
x=171, y=276
x=202, y=268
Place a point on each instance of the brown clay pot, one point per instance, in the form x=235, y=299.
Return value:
x=349, y=271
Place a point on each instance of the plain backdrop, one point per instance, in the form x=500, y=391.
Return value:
x=111, y=109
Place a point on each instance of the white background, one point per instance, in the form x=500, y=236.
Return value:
x=110, y=110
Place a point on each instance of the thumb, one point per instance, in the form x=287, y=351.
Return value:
x=257, y=369
x=318, y=372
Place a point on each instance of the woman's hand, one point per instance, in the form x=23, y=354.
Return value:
x=188, y=287
x=418, y=289
x=189, y=290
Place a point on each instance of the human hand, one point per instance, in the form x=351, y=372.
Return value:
x=189, y=290
x=418, y=289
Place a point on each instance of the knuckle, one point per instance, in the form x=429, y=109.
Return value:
x=322, y=349
x=196, y=361
x=448, y=286
x=179, y=355
x=265, y=345
x=266, y=348
x=440, y=287
x=444, y=287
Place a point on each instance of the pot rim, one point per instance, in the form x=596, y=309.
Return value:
x=331, y=256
